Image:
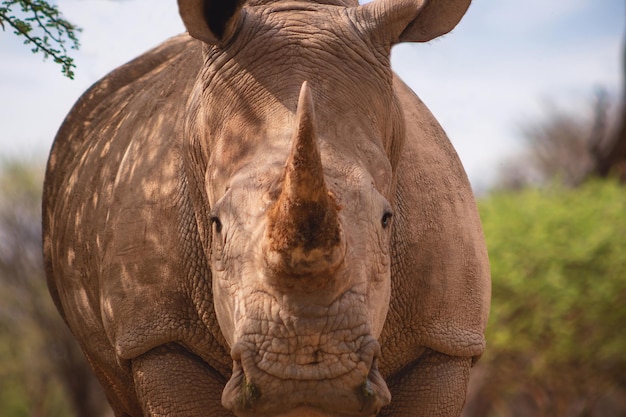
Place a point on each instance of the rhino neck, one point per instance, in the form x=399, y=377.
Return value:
x=347, y=3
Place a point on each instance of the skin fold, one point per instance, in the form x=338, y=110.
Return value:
x=258, y=218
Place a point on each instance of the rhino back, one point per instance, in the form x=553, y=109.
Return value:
x=89, y=150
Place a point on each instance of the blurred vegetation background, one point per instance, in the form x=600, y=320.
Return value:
x=42, y=371
x=555, y=343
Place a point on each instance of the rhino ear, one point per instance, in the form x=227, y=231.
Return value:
x=414, y=20
x=211, y=21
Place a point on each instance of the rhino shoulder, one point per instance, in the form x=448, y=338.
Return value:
x=440, y=274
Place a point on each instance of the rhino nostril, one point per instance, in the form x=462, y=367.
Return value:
x=367, y=389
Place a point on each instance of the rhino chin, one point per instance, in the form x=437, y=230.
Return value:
x=338, y=397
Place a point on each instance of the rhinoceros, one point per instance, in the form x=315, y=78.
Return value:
x=258, y=218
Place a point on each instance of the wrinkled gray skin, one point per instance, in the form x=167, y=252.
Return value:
x=217, y=220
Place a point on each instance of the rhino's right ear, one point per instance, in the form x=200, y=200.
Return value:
x=413, y=20
x=211, y=21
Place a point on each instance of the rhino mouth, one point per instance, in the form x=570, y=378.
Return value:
x=252, y=392
x=294, y=364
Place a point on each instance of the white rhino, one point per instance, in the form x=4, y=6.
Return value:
x=218, y=229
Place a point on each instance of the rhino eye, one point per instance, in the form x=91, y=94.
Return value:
x=217, y=223
x=386, y=220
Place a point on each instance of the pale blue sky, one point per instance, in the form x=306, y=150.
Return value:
x=497, y=70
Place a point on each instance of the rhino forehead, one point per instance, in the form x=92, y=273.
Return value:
x=279, y=49
x=249, y=91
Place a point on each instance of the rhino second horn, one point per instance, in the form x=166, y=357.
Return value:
x=304, y=233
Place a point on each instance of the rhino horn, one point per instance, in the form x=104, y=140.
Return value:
x=304, y=232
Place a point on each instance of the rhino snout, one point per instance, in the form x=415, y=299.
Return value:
x=252, y=391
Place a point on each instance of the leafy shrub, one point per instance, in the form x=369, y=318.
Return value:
x=556, y=337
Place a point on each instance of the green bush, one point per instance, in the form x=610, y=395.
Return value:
x=558, y=315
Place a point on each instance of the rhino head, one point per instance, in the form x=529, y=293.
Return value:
x=293, y=137
x=302, y=281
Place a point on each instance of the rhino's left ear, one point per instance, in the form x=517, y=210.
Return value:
x=211, y=21
x=414, y=20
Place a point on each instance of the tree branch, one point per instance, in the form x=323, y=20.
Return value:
x=45, y=17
